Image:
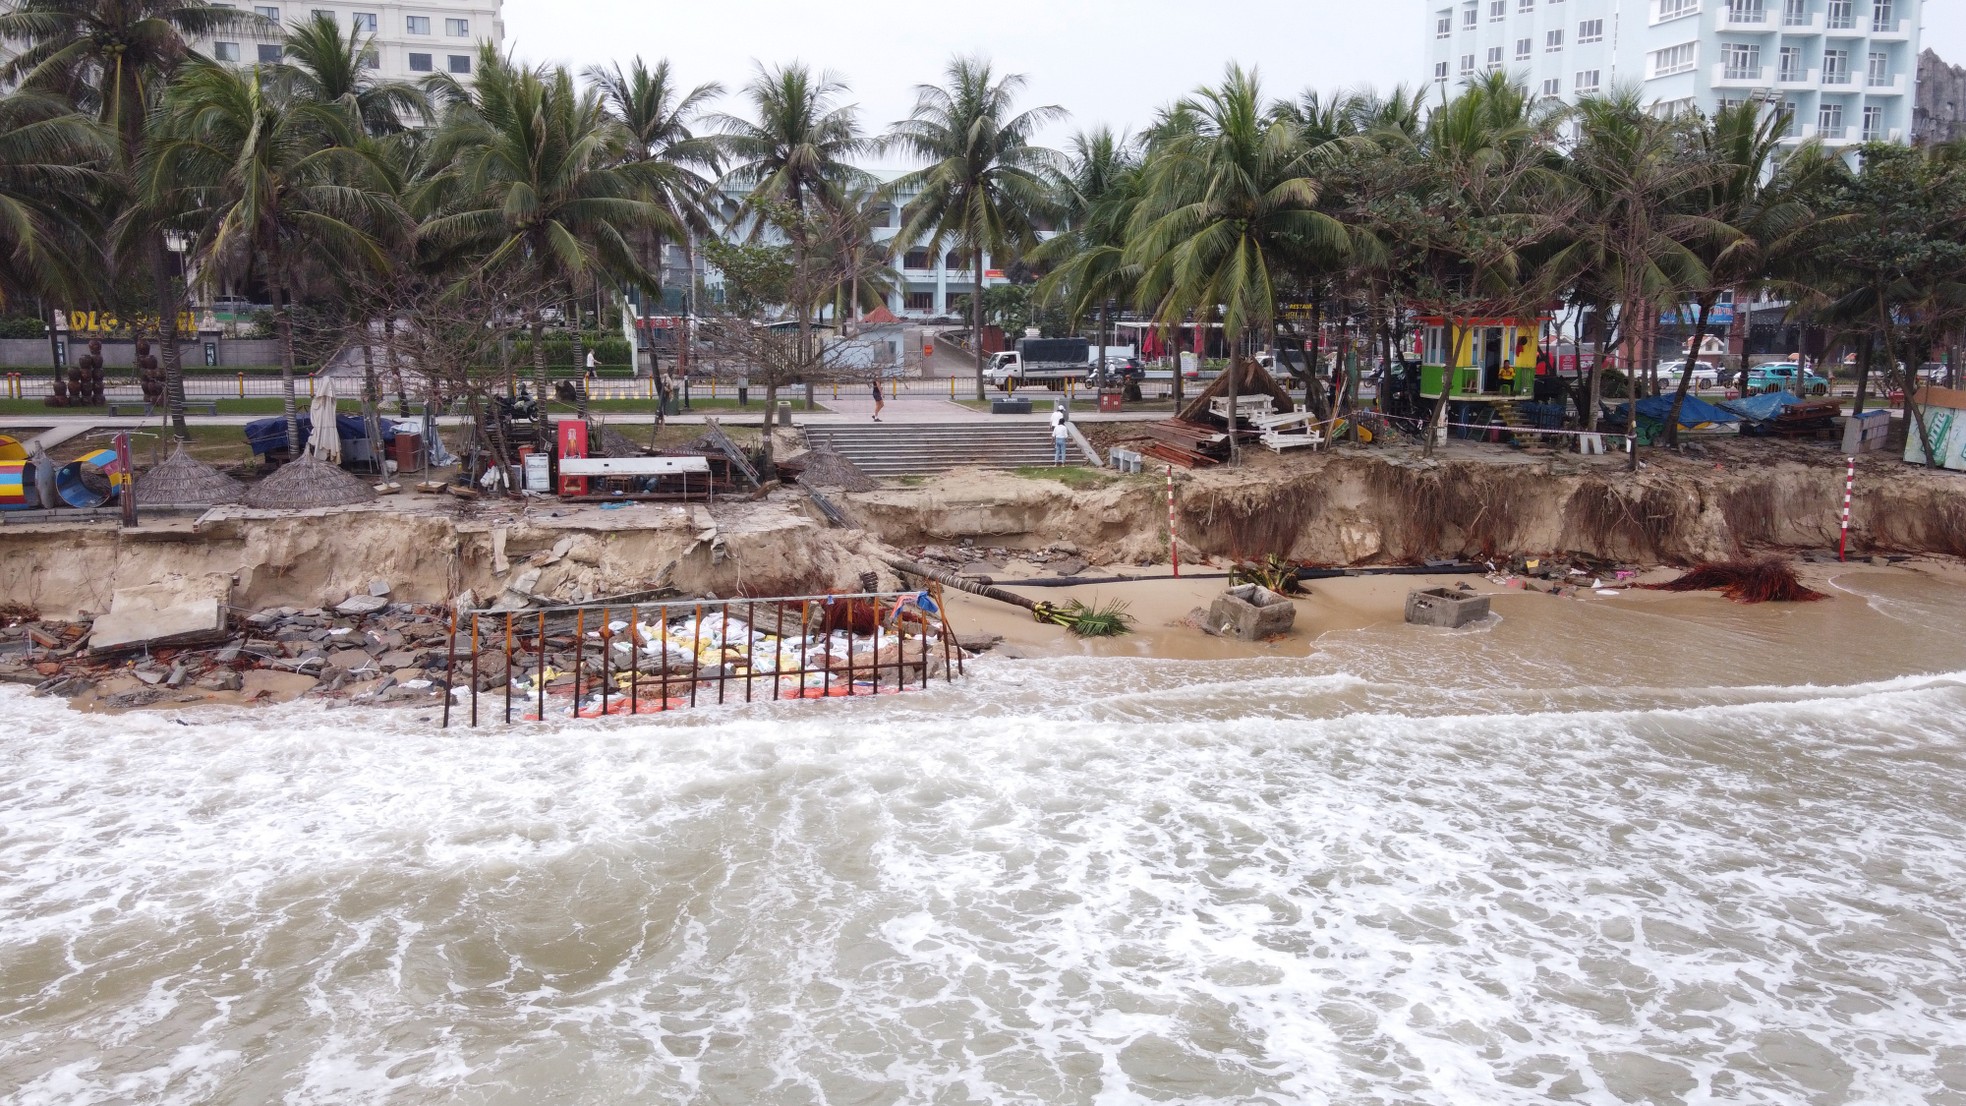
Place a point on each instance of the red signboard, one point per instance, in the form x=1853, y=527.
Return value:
x=573, y=443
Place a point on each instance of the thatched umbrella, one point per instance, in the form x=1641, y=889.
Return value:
x=183, y=479
x=306, y=483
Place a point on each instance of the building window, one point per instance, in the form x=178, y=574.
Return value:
x=1873, y=124
x=1791, y=70
x=1469, y=17
x=1673, y=9
x=1553, y=42
x=1467, y=64
x=269, y=53
x=1795, y=13
x=1444, y=25
x=1440, y=71
x=1498, y=10
x=460, y=63
x=1525, y=5
x=1836, y=67
x=1590, y=30
x=916, y=258
x=365, y=22
x=918, y=301
x=369, y=59
x=1880, y=68
x=1743, y=61
x=225, y=51
x=1494, y=57
x=457, y=28
x=1523, y=48
x=1842, y=15
x=1880, y=16
x=416, y=24
x=323, y=13
x=1829, y=120
x=265, y=12
x=1588, y=80
x=1746, y=11
x=1553, y=87
x=420, y=63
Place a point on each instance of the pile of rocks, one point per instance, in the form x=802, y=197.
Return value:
x=1060, y=558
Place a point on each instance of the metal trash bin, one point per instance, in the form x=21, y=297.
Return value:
x=784, y=412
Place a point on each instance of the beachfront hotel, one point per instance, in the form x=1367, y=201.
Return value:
x=412, y=41
x=1846, y=69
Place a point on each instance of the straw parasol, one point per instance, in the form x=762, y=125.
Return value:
x=828, y=468
x=184, y=479
x=307, y=483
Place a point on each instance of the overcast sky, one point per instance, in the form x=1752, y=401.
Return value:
x=1105, y=61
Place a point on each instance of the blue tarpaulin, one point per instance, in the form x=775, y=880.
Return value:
x=1761, y=408
x=1692, y=413
x=267, y=435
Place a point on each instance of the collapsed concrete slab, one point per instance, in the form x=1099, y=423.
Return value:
x=1449, y=610
x=1251, y=613
x=173, y=612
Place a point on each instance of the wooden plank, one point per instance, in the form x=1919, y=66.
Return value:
x=729, y=449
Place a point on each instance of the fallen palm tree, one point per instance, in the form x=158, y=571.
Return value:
x=1769, y=581
x=1110, y=620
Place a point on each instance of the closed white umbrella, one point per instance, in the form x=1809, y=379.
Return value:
x=324, y=442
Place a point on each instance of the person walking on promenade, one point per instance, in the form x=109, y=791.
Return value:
x=878, y=401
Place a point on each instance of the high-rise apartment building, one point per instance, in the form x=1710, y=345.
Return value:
x=1844, y=68
x=411, y=41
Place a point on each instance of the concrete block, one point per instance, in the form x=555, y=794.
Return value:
x=176, y=611
x=1251, y=613
x=1446, y=609
x=362, y=604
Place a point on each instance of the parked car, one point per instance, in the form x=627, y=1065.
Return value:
x=1705, y=376
x=1780, y=377
x=1118, y=372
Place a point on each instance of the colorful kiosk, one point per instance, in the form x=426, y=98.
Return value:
x=1495, y=361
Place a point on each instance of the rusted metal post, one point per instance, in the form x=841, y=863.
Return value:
x=695, y=654
x=663, y=634
x=634, y=661
x=579, y=654
x=607, y=655
x=750, y=644
x=805, y=640
x=723, y=654
x=539, y=676
x=778, y=654
x=474, y=670
x=849, y=648
x=450, y=671
x=508, y=668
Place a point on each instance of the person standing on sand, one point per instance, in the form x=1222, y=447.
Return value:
x=878, y=402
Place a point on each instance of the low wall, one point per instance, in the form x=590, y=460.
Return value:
x=32, y=353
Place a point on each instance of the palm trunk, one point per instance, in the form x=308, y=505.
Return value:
x=1174, y=351
x=54, y=340
x=395, y=363
x=1914, y=414
x=1235, y=381
x=976, y=314
x=1686, y=377
x=166, y=297
x=1863, y=373
x=283, y=324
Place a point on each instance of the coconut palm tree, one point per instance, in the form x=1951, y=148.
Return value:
x=987, y=186
x=113, y=58
x=1632, y=229
x=1229, y=207
x=1098, y=193
x=51, y=181
x=329, y=67
x=662, y=117
x=537, y=179
x=274, y=183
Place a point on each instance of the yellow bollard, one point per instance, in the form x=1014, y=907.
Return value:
x=836, y=390
x=242, y=385
x=952, y=387
x=713, y=389
x=310, y=385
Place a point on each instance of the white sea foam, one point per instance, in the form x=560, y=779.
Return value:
x=1107, y=882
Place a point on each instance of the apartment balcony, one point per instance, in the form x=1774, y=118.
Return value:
x=1750, y=22
x=1882, y=134
x=1896, y=86
x=1812, y=25
x=1840, y=81
x=1852, y=28
x=1798, y=78
x=1891, y=31
x=1690, y=13
x=1829, y=136
x=1728, y=76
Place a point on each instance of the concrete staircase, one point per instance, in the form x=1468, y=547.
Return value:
x=915, y=449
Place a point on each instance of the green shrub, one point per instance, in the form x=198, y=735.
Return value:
x=21, y=326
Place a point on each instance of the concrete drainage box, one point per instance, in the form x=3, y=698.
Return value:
x=1010, y=407
x=1252, y=612
x=1447, y=609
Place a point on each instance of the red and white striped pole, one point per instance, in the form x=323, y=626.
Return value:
x=1849, y=486
x=1173, y=549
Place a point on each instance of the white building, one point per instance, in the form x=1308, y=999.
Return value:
x=1846, y=68
x=412, y=41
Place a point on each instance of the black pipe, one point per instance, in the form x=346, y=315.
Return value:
x=1462, y=569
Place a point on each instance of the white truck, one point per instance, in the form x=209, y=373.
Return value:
x=1049, y=362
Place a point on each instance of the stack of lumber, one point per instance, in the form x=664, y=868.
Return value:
x=1185, y=444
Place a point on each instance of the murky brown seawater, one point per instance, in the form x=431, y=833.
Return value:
x=1664, y=852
